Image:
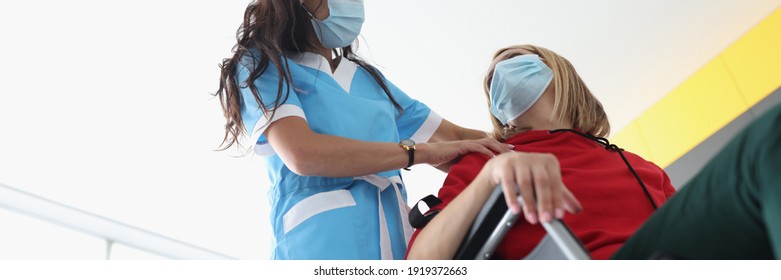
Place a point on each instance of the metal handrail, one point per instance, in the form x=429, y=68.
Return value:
x=101, y=227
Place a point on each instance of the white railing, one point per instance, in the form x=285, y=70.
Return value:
x=101, y=227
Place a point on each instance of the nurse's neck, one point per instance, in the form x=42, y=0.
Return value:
x=317, y=47
x=325, y=52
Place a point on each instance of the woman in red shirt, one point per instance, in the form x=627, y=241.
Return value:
x=540, y=105
x=731, y=209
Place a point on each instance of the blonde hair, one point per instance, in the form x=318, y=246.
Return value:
x=573, y=101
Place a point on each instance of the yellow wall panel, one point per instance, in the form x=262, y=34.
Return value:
x=755, y=59
x=691, y=113
x=631, y=140
x=742, y=75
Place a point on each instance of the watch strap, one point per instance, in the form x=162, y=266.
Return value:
x=411, y=153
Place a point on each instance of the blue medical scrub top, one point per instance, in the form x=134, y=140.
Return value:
x=313, y=217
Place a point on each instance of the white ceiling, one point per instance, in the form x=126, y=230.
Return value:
x=106, y=105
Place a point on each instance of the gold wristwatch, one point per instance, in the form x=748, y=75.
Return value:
x=409, y=146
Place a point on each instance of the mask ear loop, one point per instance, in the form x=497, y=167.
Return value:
x=311, y=16
x=612, y=147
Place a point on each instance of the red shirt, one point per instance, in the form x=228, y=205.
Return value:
x=614, y=204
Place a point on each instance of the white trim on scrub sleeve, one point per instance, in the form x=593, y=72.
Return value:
x=283, y=111
x=427, y=129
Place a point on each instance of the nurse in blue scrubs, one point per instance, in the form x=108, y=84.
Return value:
x=334, y=131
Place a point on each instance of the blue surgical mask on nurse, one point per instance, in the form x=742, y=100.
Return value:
x=342, y=25
x=516, y=85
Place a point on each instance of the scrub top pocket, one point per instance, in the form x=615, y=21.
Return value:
x=329, y=225
x=316, y=204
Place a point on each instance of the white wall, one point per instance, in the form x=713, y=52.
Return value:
x=106, y=105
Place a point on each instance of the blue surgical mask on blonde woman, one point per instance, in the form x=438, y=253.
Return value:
x=517, y=84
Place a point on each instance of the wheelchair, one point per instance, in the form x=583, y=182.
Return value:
x=494, y=221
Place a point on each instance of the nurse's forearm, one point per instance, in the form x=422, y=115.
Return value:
x=448, y=131
x=332, y=156
x=442, y=235
x=311, y=154
x=467, y=133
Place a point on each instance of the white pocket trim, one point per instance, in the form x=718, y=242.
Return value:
x=316, y=204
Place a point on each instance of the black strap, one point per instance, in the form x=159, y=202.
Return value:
x=419, y=220
x=411, y=157
x=613, y=148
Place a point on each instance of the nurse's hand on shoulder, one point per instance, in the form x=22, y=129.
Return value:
x=530, y=174
x=442, y=154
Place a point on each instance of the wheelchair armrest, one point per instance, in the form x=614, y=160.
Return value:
x=494, y=221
